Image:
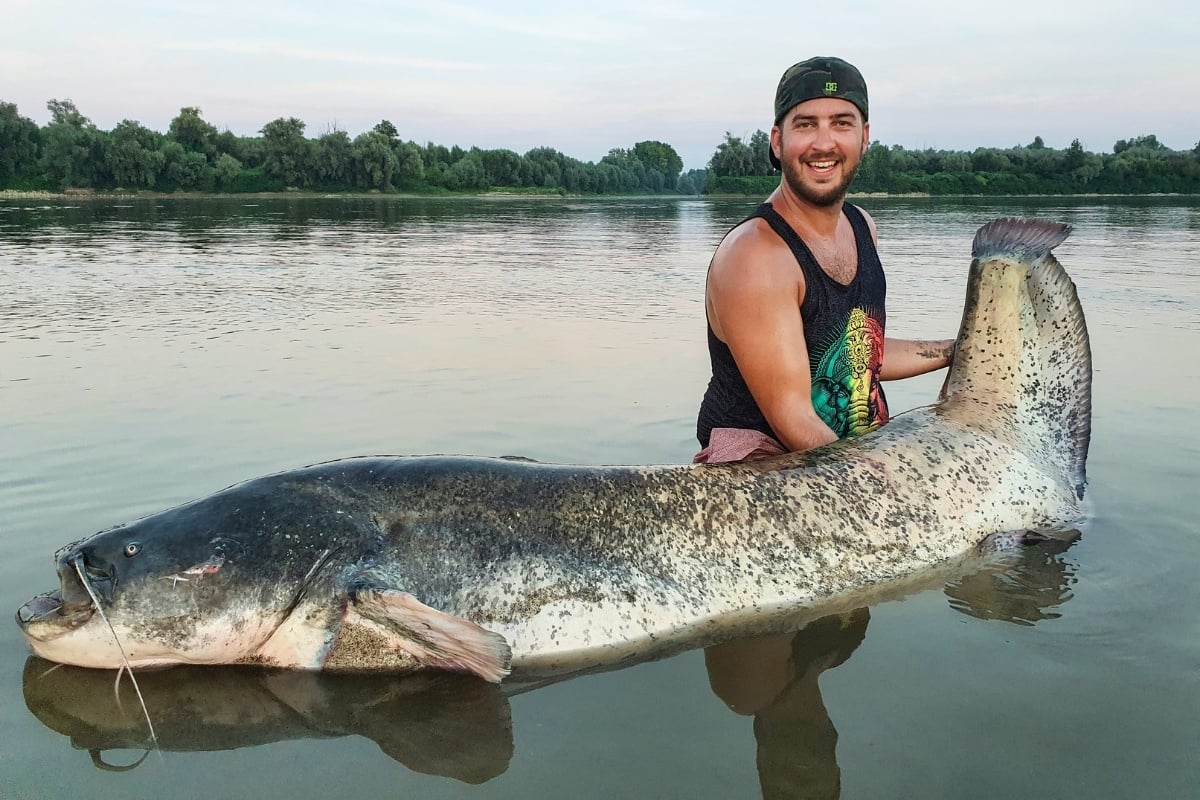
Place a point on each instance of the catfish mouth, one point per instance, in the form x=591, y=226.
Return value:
x=48, y=609
x=67, y=607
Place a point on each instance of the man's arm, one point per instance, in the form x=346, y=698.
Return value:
x=753, y=302
x=904, y=358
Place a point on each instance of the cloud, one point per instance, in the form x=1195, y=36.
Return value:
x=270, y=50
x=586, y=78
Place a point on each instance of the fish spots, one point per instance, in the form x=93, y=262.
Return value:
x=531, y=601
x=363, y=648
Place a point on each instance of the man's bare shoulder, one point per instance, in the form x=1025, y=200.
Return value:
x=753, y=254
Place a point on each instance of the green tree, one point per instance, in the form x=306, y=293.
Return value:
x=73, y=149
x=191, y=131
x=467, y=173
x=410, y=169
x=19, y=139
x=618, y=172
x=955, y=162
x=945, y=183
x=71, y=152
x=661, y=158
x=733, y=158
x=989, y=160
x=875, y=169
x=1088, y=170
x=436, y=160
x=334, y=159
x=545, y=165
x=436, y=153
x=184, y=169
x=246, y=149
x=760, y=146
x=1148, y=142
x=503, y=167
x=387, y=129
x=288, y=156
x=1075, y=156
x=576, y=178
x=225, y=171
x=135, y=157
x=692, y=181
x=374, y=161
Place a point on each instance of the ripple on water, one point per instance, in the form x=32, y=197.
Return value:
x=153, y=353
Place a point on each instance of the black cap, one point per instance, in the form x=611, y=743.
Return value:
x=823, y=76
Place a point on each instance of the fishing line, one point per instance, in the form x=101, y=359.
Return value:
x=77, y=562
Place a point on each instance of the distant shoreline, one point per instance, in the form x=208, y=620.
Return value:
x=89, y=194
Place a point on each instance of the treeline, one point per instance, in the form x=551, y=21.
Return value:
x=70, y=152
x=1141, y=165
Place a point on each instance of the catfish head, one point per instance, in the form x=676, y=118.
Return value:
x=207, y=582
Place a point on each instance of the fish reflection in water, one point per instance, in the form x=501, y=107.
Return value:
x=445, y=724
x=1022, y=587
x=460, y=727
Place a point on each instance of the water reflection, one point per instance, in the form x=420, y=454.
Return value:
x=437, y=724
x=205, y=267
x=459, y=727
x=774, y=678
x=196, y=215
x=1022, y=587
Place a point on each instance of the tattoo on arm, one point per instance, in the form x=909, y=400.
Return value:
x=941, y=351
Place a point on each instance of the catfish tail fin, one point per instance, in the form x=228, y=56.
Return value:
x=1023, y=357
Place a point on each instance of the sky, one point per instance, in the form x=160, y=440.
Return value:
x=584, y=78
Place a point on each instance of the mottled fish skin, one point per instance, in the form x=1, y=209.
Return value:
x=585, y=566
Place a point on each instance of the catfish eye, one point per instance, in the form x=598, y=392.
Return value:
x=132, y=549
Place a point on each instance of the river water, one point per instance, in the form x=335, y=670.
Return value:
x=156, y=351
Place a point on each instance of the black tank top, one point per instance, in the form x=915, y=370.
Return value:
x=843, y=327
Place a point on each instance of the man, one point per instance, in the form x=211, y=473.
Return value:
x=795, y=294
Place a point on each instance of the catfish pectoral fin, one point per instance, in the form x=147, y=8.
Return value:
x=435, y=638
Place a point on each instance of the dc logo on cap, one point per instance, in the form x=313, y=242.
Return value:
x=830, y=87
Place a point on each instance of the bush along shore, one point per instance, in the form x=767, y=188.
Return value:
x=70, y=154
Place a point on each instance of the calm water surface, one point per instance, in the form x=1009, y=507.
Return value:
x=153, y=352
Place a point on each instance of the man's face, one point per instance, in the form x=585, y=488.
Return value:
x=820, y=144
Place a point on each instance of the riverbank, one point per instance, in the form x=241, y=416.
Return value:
x=91, y=194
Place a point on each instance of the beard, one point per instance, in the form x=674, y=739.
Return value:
x=820, y=196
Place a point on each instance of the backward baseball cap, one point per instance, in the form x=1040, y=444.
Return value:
x=823, y=76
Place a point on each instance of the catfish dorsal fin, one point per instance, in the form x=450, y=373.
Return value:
x=435, y=638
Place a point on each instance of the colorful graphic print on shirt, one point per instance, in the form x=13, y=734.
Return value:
x=845, y=382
